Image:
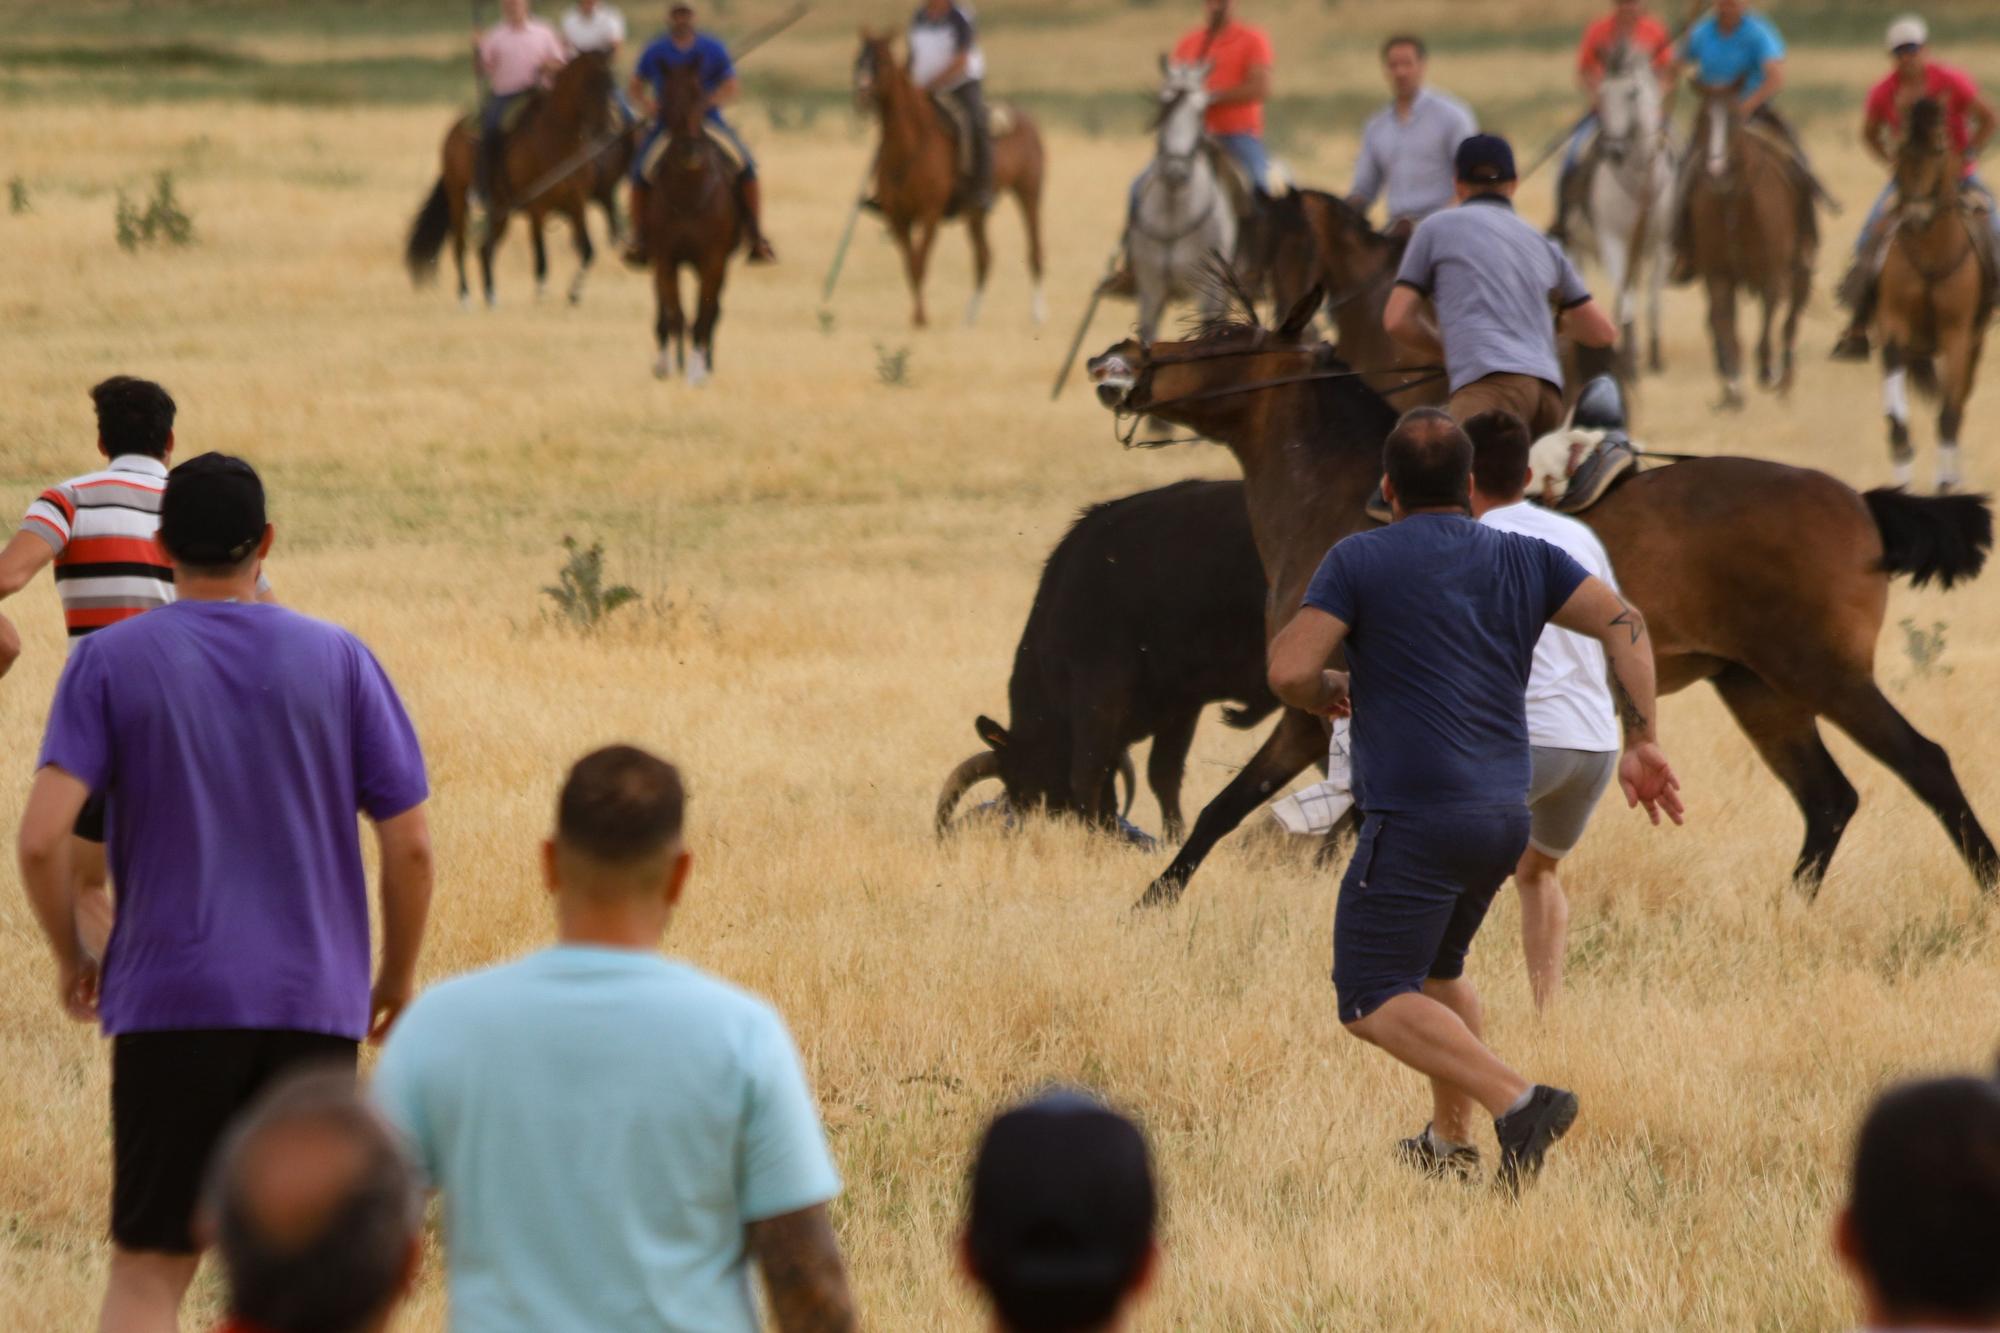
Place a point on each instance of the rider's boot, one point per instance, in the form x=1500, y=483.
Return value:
x=635, y=248
x=753, y=208
x=1857, y=293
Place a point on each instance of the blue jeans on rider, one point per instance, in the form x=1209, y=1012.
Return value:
x=1246, y=149
x=491, y=115
x=1881, y=205
x=716, y=124
x=1584, y=129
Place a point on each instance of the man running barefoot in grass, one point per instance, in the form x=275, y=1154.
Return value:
x=1438, y=616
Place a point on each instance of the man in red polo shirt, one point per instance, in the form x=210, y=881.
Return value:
x=1238, y=82
x=1969, y=120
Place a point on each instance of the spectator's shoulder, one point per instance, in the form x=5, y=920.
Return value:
x=444, y=1009
x=1452, y=100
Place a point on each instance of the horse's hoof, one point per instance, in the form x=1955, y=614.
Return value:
x=1038, y=307
x=663, y=369
x=697, y=371
x=541, y=292
x=972, y=311
x=1731, y=400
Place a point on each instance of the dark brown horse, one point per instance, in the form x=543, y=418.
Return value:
x=1935, y=297
x=694, y=219
x=1767, y=581
x=917, y=176
x=558, y=126
x=1319, y=239
x=1750, y=216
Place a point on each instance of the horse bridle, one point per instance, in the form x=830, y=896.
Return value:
x=1142, y=377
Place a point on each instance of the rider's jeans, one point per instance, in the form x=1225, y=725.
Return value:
x=1881, y=205
x=1246, y=149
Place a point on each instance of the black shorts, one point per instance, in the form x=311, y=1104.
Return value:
x=90, y=820
x=173, y=1096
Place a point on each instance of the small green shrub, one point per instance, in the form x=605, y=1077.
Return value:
x=826, y=322
x=1925, y=647
x=17, y=196
x=163, y=218
x=579, y=592
x=892, y=366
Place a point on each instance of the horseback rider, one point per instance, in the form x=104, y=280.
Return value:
x=683, y=44
x=1627, y=27
x=945, y=61
x=1239, y=81
x=1408, y=145
x=1969, y=120
x=515, y=56
x=591, y=28
x=1735, y=50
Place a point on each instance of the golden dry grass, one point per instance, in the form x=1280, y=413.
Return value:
x=836, y=571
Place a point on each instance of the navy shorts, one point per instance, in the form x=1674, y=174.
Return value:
x=1414, y=895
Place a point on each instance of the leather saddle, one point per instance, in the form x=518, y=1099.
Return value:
x=1573, y=468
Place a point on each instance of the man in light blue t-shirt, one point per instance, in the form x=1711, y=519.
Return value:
x=616, y=1135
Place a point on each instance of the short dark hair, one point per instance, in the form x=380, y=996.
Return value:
x=1063, y=1207
x=134, y=416
x=1406, y=39
x=1925, y=1200
x=326, y=1255
x=1500, y=446
x=620, y=805
x=1429, y=460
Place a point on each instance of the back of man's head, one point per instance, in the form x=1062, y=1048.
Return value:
x=134, y=416
x=1060, y=1232
x=1500, y=446
x=1922, y=1227
x=620, y=810
x=1428, y=460
x=315, y=1210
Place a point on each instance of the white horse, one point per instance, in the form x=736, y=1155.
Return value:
x=1180, y=215
x=1630, y=207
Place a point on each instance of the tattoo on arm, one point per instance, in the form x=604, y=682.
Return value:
x=1630, y=619
x=1629, y=714
x=803, y=1273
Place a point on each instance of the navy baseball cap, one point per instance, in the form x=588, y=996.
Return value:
x=1063, y=1210
x=212, y=514
x=1485, y=159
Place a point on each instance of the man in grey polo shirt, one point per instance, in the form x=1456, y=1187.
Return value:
x=1491, y=276
x=1407, y=146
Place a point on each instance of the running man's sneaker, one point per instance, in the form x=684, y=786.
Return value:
x=1421, y=1152
x=1525, y=1135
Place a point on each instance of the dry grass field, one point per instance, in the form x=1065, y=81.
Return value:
x=835, y=570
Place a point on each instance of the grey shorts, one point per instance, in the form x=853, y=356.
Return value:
x=1561, y=794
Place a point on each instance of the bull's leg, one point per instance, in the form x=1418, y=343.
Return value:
x=1297, y=740
x=1722, y=333
x=1861, y=710
x=1896, y=409
x=1095, y=748
x=1166, y=765
x=1786, y=735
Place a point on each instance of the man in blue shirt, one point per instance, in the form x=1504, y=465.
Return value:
x=683, y=44
x=1731, y=48
x=1438, y=616
x=617, y=1135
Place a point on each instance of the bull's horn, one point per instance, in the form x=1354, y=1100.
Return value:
x=976, y=769
x=1131, y=776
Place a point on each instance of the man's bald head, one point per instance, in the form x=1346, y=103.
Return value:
x=315, y=1210
x=1428, y=460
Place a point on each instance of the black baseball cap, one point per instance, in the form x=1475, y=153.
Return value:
x=1485, y=159
x=212, y=514
x=1063, y=1209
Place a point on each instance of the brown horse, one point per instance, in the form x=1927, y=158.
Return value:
x=1751, y=226
x=1768, y=581
x=917, y=176
x=1935, y=297
x=558, y=126
x=694, y=219
x=1319, y=239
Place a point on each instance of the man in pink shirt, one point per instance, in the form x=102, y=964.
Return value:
x=514, y=56
x=1969, y=120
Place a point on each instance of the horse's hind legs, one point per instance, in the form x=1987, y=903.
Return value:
x=708, y=311
x=586, y=253
x=1728, y=351
x=1787, y=738
x=540, y=240
x=670, y=326
x=982, y=262
x=1767, y=371
x=1958, y=361
x=1867, y=715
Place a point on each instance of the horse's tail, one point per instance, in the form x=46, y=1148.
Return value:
x=1942, y=537
x=427, y=235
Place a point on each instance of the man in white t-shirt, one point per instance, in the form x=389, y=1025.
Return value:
x=1572, y=723
x=1572, y=726
x=589, y=26
x=945, y=60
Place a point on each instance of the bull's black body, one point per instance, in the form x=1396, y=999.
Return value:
x=1150, y=608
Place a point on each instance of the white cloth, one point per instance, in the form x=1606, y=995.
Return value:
x=1569, y=696
x=599, y=30
x=1316, y=809
x=936, y=42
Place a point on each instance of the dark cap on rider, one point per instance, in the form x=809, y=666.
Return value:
x=1485, y=159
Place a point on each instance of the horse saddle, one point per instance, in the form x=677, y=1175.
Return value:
x=510, y=119
x=721, y=141
x=1000, y=121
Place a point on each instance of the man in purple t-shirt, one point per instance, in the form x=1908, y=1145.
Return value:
x=237, y=741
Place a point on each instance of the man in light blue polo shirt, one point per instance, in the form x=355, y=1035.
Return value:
x=1407, y=146
x=616, y=1135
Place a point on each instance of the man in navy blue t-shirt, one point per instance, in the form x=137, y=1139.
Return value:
x=1438, y=616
